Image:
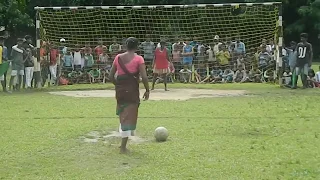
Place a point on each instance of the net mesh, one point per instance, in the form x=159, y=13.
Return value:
x=250, y=24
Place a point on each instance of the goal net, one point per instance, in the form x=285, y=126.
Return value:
x=249, y=23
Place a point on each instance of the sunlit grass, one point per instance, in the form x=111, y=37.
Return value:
x=271, y=134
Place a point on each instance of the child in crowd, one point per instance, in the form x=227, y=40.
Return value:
x=227, y=76
x=77, y=58
x=263, y=59
x=240, y=75
x=269, y=75
x=286, y=78
x=317, y=76
x=240, y=61
x=216, y=74
x=223, y=55
x=93, y=75
x=233, y=56
x=201, y=72
x=68, y=61
x=255, y=75
x=29, y=67
x=171, y=72
x=311, y=80
x=185, y=74
x=114, y=48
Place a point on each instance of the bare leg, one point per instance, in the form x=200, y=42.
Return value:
x=123, y=147
x=154, y=81
x=165, y=79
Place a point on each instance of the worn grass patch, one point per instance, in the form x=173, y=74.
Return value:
x=273, y=134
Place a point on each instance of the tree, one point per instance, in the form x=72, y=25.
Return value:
x=13, y=16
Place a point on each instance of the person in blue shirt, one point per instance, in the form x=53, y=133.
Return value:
x=3, y=59
x=187, y=54
x=240, y=47
x=68, y=61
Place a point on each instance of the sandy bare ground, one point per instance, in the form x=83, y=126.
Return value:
x=159, y=94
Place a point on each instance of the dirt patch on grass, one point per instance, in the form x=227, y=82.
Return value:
x=110, y=137
x=159, y=94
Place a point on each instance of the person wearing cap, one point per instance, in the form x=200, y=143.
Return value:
x=62, y=52
x=17, y=72
x=216, y=44
x=3, y=59
x=127, y=67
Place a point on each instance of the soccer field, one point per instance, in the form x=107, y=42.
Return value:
x=270, y=133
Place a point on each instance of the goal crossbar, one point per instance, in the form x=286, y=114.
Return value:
x=160, y=6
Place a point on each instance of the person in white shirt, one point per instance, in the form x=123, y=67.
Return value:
x=318, y=76
x=77, y=59
x=185, y=74
x=287, y=76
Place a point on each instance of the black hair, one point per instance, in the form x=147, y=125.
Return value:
x=304, y=35
x=27, y=37
x=132, y=43
x=20, y=40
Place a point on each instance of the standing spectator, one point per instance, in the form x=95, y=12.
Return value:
x=178, y=44
x=233, y=56
x=54, y=55
x=3, y=59
x=223, y=56
x=114, y=48
x=77, y=57
x=263, y=58
x=44, y=62
x=17, y=72
x=187, y=54
x=104, y=58
x=304, y=59
x=68, y=62
x=292, y=55
x=148, y=48
x=216, y=44
x=161, y=65
x=62, y=51
x=99, y=49
x=29, y=67
x=177, y=49
x=240, y=47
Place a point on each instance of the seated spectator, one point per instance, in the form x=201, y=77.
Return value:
x=233, y=56
x=287, y=77
x=255, y=75
x=89, y=62
x=68, y=62
x=311, y=80
x=104, y=74
x=75, y=76
x=171, y=72
x=317, y=76
x=201, y=72
x=269, y=75
x=240, y=75
x=227, y=76
x=223, y=56
x=210, y=56
x=103, y=57
x=93, y=75
x=240, y=61
x=216, y=74
x=185, y=74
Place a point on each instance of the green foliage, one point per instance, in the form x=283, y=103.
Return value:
x=13, y=16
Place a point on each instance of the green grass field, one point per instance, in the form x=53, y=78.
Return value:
x=271, y=134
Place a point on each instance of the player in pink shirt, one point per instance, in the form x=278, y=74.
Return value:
x=127, y=67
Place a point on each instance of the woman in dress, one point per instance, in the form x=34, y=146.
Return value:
x=128, y=66
x=161, y=64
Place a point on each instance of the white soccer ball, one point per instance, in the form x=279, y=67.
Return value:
x=161, y=134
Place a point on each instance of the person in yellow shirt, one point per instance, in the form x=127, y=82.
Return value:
x=3, y=64
x=223, y=56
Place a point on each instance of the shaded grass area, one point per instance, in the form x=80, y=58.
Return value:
x=273, y=134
